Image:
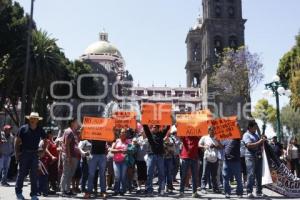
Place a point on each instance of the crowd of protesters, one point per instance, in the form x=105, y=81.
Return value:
x=66, y=165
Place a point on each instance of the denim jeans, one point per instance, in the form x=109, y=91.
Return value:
x=4, y=166
x=152, y=161
x=68, y=172
x=185, y=165
x=254, y=170
x=209, y=168
x=120, y=170
x=168, y=164
x=232, y=168
x=28, y=163
x=85, y=174
x=97, y=161
x=43, y=184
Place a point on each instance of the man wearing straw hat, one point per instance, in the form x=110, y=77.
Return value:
x=26, y=150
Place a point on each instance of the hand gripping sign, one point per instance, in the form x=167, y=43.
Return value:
x=157, y=114
x=125, y=119
x=98, y=129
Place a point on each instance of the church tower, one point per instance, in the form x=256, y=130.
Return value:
x=220, y=26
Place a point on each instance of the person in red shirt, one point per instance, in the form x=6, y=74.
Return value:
x=189, y=159
x=52, y=153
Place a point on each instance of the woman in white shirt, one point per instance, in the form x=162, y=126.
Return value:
x=293, y=156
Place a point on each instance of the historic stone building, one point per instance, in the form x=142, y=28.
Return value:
x=221, y=25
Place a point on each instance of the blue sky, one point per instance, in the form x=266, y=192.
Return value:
x=151, y=33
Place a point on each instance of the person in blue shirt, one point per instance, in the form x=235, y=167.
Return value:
x=26, y=152
x=253, y=157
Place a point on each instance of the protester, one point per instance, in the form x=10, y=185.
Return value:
x=293, y=152
x=142, y=148
x=176, y=157
x=52, y=162
x=232, y=166
x=189, y=159
x=119, y=149
x=70, y=160
x=276, y=147
x=243, y=161
x=26, y=152
x=168, y=162
x=43, y=174
x=109, y=167
x=253, y=157
x=6, y=152
x=130, y=162
x=155, y=157
x=97, y=160
x=85, y=150
x=210, y=159
x=77, y=175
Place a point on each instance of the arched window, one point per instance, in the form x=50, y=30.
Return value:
x=231, y=12
x=197, y=52
x=196, y=80
x=218, y=44
x=218, y=12
x=233, y=42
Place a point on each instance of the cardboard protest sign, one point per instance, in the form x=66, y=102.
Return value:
x=193, y=124
x=125, y=119
x=185, y=128
x=98, y=129
x=157, y=114
x=226, y=128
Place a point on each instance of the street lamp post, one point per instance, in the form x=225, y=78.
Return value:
x=277, y=88
x=24, y=90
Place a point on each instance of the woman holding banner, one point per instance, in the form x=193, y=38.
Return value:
x=119, y=149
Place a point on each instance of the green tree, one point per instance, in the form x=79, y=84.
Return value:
x=291, y=120
x=289, y=72
x=265, y=112
x=13, y=32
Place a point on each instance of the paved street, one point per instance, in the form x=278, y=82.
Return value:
x=7, y=193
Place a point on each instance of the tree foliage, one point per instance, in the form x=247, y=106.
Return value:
x=237, y=72
x=289, y=71
x=265, y=112
x=47, y=64
x=291, y=119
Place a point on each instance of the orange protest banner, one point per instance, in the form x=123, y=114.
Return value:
x=185, y=128
x=98, y=129
x=125, y=119
x=157, y=114
x=226, y=128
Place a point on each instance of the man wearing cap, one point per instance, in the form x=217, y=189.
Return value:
x=6, y=151
x=26, y=151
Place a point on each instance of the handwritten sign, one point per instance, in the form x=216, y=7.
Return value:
x=98, y=129
x=125, y=119
x=189, y=129
x=226, y=128
x=157, y=114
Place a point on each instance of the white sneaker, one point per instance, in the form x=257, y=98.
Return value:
x=250, y=196
x=162, y=193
